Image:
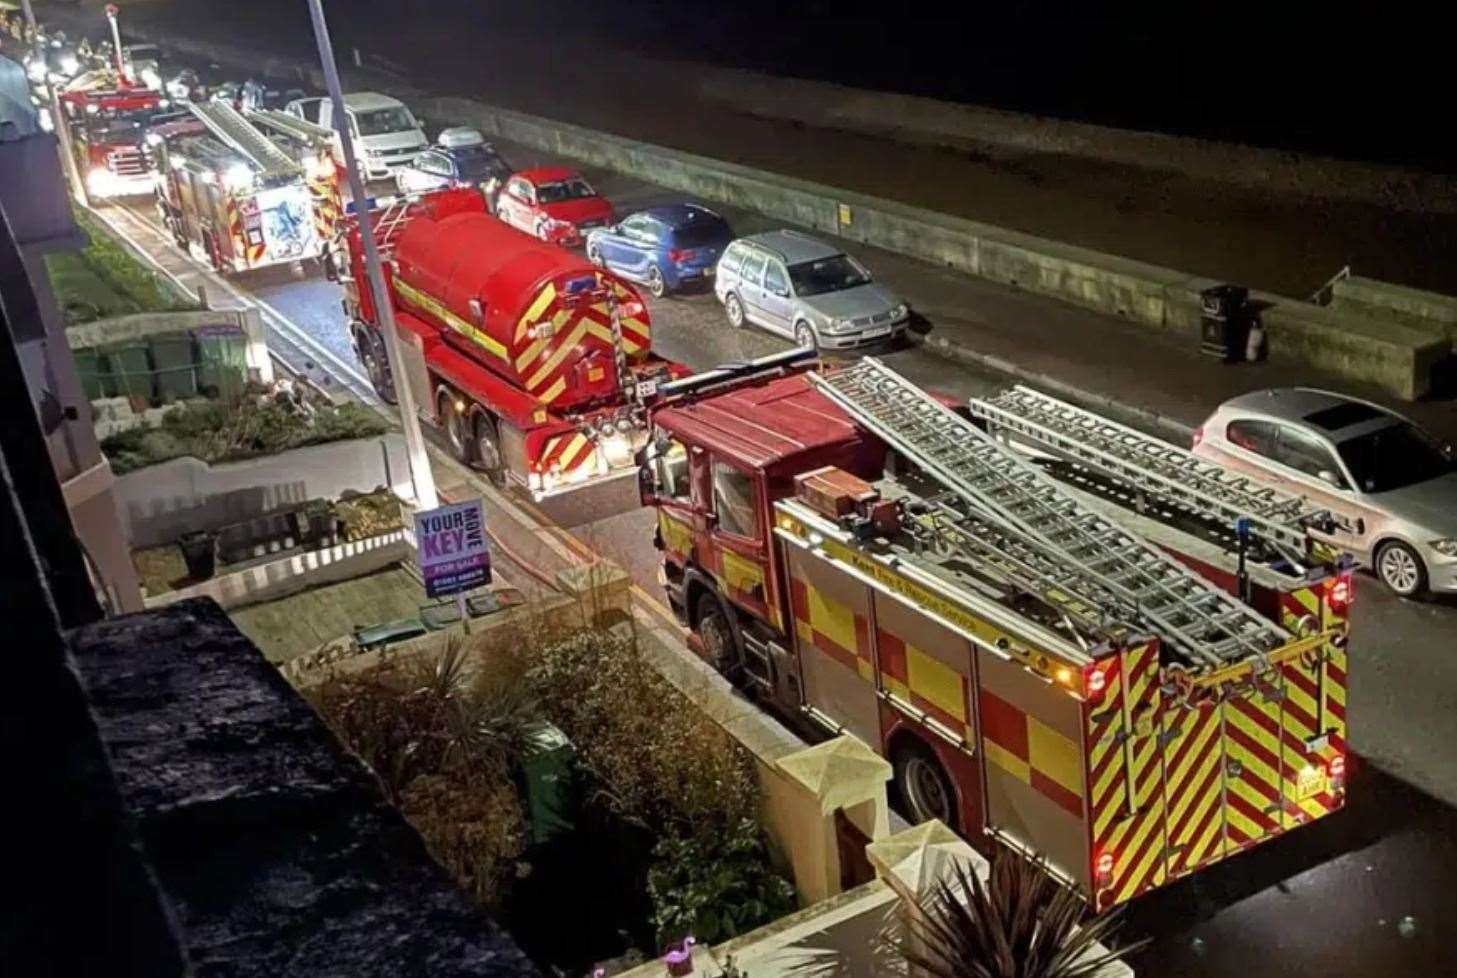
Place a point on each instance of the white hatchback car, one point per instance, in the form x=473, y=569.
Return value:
x=1394, y=483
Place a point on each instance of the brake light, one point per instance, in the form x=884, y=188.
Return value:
x=1095, y=680
x=1103, y=869
x=679, y=254
x=1335, y=770
x=1340, y=592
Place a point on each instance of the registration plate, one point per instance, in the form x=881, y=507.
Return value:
x=1311, y=782
x=875, y=334
x=708, y=272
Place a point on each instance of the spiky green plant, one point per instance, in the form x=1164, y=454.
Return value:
x=1020, y=923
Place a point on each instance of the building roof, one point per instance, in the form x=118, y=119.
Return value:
x=767, y=423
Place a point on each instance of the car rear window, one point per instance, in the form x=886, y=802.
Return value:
x=701, y=233
x=1343, y=415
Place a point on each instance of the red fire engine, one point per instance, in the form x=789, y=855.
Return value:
x=108, y=123
x=1069, y=653
x=532, y=360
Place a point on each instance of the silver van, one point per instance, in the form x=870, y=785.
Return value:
x=802, y=288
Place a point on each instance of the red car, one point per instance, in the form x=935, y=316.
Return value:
x=554, y=203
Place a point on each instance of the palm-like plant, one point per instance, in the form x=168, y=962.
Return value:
x=1020, y=923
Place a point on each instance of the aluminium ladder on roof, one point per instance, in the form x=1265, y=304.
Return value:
x=291, y=125
x=228, y=125
x=1075, y=549
x=1155, y=468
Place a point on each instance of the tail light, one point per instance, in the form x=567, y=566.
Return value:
x=1335, y=770
x=1198, y=436
x=1103, y=870
x=1340, y=591
x=1095, y=680
x=679, y=254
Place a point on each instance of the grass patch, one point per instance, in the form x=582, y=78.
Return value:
x=104, y=280
x=229, y=431
x=161, y=569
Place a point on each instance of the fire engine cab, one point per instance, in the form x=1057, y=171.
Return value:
x=1062, y=646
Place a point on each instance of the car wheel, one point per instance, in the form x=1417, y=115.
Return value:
x=594, y=255
x=804, y=336
x=656, y=285
x=1401, y=569
x=487, y=449
x=924, y=788
x=716, y=629
x=734, y=309
x=455, y=427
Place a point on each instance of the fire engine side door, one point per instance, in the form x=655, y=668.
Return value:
x=737, y=551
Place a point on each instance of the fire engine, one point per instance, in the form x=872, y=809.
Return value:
x=1044, y=620
x=312, y=146
x=107, y=118
x=532, y=360
x=230, y=196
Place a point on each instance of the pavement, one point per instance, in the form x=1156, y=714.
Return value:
x=1307, y=904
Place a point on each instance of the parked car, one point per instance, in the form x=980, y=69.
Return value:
x=798, y=286
x=554, y=203
x=664, y=248
x=459, y=158
x=1393, y=483
x=386, y=134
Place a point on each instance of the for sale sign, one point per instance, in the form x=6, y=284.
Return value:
x=454, y=555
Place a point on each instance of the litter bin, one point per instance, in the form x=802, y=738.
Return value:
x=199, y=552
x=1224, y=323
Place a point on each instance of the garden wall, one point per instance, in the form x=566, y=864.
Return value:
x=161, y=502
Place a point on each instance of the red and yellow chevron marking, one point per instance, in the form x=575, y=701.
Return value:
x=235, y=226
x=1125, y=770
x=925, y=683
x=832, y=627
x=548, y=380
x=742, y=579
x=563, y=453
x=1253, y=788
x=1033, y=752
x=637, y=336
x=1194, y=785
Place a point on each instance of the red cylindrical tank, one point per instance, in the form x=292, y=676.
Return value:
x=536, y=314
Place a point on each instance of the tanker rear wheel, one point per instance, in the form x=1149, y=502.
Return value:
x=454, y=422
x=377, y=366
x=487, y=442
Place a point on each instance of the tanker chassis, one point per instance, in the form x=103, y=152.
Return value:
x=532, y=361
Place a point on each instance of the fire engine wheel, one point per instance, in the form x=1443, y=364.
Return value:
x=1401, y=569
x=734, y=309
x=488, y=449
x=655, y=283
x=924, y=788
x=716, y=629
x=455, y=427
x=376, y=366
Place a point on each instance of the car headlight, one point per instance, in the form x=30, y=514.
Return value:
x=69, y=64
x=899, y=312
x=1447, y=547
x=838, y=325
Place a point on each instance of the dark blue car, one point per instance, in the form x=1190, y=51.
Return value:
x=664, y=248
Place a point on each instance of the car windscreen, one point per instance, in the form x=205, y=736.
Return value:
x=480, y=163
x=1393, y=457
x=573, y=189
x=378, y=122
x=702, y=234
x=827, y=275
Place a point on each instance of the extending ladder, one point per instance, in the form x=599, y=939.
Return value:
x=1154, y=468
x=1025, y=514
x=228, y=125
x=302, y=131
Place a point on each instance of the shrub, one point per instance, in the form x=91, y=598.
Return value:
x=716, y=886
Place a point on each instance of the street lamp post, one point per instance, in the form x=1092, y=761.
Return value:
x=420, y=474
x=59, y=125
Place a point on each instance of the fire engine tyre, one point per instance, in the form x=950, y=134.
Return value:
x=377, y=367
x=455, y=426
x=487, y=448
x=925, y=790
x=1401, y=569
x=733, y=307
x=719, y=634
x=655, y=282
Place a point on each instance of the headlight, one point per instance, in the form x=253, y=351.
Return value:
x=840, y=325
x=1447, y=547
x=899, y=312
x=37, y=71
x=69, y=64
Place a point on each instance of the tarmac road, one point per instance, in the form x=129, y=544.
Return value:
x=1327, y=900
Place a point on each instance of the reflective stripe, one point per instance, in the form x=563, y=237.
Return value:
x=435, y=307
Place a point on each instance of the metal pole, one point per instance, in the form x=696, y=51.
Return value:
x=59, y=125
x=111, y=11
x=420, y=474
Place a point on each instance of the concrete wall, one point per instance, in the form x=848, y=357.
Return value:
x=161, y=502
x=1396, y=357
x=1427, y=311
x=298, y=572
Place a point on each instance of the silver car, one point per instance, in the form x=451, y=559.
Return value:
x=1395, y=484
x=809, y=291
